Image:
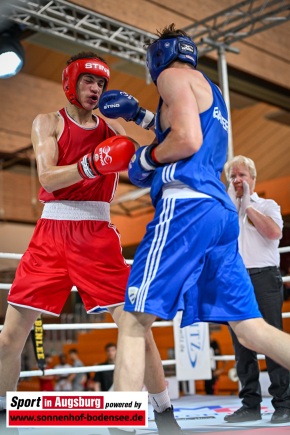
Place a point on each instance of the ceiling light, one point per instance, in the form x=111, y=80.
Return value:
x=11, y=53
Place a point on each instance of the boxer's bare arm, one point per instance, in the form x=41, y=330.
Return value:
x=180, y=112
x=45, y=130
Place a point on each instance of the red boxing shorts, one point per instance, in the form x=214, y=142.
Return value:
x=66, y=253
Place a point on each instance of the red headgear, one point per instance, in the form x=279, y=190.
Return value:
x=72, y=72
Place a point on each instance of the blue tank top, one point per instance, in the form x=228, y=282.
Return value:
x=202, y=171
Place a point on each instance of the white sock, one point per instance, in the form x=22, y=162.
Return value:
x=160, y=401
x=2, y=402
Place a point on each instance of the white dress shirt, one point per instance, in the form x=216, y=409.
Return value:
x=256, y=250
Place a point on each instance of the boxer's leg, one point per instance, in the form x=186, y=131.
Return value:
x=154, y=373
x=17, y=326
x=258, y=335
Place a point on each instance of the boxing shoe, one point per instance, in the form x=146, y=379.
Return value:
x=281, y=415
x=166, y=423
x=244, y=414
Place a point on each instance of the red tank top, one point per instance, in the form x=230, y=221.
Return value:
x=74, y=142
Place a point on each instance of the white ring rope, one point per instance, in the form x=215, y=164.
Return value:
x=111, y=325
x=84, y=369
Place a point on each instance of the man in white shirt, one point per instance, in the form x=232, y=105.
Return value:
x=260, y=231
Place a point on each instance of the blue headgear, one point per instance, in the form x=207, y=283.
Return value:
x=164, y=51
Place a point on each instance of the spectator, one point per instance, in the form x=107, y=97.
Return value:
x=103, y=381
x=46, y=382
x=261, y=226
x=63, y=382
x=77, y=379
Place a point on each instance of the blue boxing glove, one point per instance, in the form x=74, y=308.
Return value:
x=142, y=166
x=118, y=104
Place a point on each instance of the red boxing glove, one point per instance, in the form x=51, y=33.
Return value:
x=111, y=155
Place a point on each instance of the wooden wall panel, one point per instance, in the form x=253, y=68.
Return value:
x=11, y=141
x=278, y=190
x=18, y=201
x=274, y=41
x=132, y=229
x=271, y=66
x=150, y=16
x=145, y=15
x=22, y=98
x=266, y=142
x=44, y=62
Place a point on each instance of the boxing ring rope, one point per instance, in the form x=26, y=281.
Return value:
x=111, y=325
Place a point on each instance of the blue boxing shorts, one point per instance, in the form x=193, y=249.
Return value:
x=188, y=260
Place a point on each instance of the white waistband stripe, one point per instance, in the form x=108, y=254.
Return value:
x=181, y=192
x=77, y=210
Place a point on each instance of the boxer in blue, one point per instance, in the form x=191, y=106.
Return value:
x=188, y=259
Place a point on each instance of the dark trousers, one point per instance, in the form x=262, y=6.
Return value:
x=268, y=286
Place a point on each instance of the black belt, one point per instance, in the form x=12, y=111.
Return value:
x=254, y=270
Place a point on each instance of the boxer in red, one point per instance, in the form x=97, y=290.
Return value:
x=74, y=243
